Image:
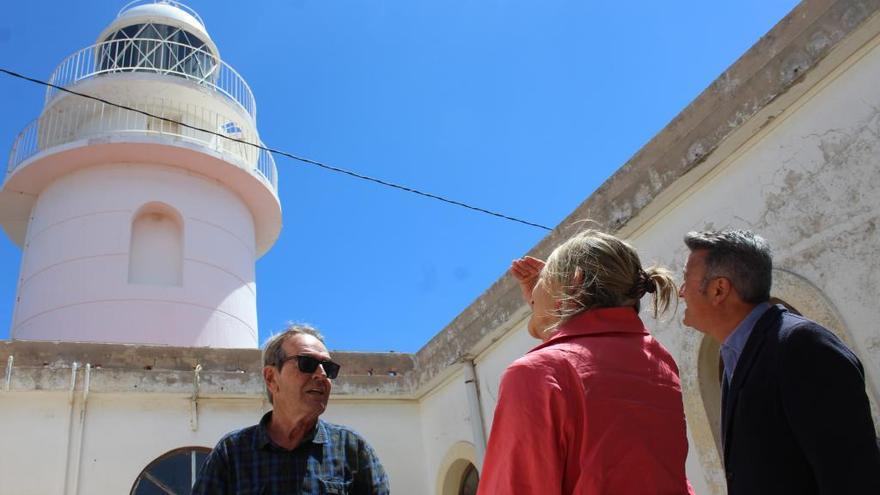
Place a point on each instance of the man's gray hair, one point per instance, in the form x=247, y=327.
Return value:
x=273, y=350
x=740, y=256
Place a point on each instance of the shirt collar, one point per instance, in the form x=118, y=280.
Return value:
x=735, y=342
x=318, y=435
x=621, y=319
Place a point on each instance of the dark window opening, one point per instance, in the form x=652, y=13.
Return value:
x=173, y=473
x=469, y=481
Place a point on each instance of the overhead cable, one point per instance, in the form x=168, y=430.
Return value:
x=283, y=153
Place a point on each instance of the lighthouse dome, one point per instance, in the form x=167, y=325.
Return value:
x=162, y=12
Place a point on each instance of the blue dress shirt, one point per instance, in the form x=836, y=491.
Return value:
x=735, y=342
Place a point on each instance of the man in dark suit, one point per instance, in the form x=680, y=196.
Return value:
x=795, y=416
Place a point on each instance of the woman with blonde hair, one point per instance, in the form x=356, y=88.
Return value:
x=596, y=408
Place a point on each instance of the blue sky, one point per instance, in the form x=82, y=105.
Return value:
x=524, y=107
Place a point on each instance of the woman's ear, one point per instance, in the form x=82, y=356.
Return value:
x=579, y=276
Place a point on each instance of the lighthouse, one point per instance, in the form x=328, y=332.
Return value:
x=142, y=224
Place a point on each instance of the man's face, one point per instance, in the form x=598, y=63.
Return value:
x=543, y=308
x=698, y=308
x=296, y=392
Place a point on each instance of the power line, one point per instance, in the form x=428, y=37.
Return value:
x=283, y=153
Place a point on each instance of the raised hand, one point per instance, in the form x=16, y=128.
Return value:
x=526, y=271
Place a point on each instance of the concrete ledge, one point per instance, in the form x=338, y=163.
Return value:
x=123, y=368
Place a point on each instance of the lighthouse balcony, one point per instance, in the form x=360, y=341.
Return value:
x=179, y=57
x=80, y=120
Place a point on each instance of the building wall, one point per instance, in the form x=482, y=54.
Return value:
x=125, y=432
x=34, y=432
x=807, y=183
x=121, y=433
x=491, y=364
x=445, y=424
x=104, y=449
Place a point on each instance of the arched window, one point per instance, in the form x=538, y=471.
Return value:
x=469, y=481
x=156, y=251
x=173, y=473
x=458, y=474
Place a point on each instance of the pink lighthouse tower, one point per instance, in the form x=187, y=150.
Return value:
x=140, y=228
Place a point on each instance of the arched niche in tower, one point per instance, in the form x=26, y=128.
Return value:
x=156, y=249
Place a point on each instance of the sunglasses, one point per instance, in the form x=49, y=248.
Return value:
x=308, y=364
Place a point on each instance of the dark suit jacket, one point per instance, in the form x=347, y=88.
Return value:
x=796, y=418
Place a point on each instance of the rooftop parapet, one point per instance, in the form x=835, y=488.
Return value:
x=40, y=366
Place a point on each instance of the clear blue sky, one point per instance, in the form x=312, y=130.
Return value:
x=520, y=106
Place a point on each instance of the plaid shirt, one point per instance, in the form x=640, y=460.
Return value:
x=331, y=460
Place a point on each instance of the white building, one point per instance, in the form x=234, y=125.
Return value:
x=785, y=142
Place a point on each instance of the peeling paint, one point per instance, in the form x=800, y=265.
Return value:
x=819, y=41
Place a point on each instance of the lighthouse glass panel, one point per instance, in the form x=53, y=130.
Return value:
x=171, y=474
x=156, y=48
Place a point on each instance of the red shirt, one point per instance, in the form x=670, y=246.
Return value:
x=596, y=409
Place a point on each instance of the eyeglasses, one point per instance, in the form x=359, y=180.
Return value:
x=308, y=364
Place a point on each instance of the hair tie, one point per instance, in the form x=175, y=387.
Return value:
x=643, y=285
x=646, y=282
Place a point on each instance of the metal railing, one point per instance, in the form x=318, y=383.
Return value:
x=153, y=56
x=136, y=3
x=89, y=119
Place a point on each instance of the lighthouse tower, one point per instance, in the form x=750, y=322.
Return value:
x=142, y=227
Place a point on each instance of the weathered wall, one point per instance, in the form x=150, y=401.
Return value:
x=807, y=183
x=445, y=422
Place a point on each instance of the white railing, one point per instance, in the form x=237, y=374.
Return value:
x=89, y=119
x=153, y=56
x=136, y=3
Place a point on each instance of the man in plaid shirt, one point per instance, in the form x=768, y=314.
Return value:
x=291, y=450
